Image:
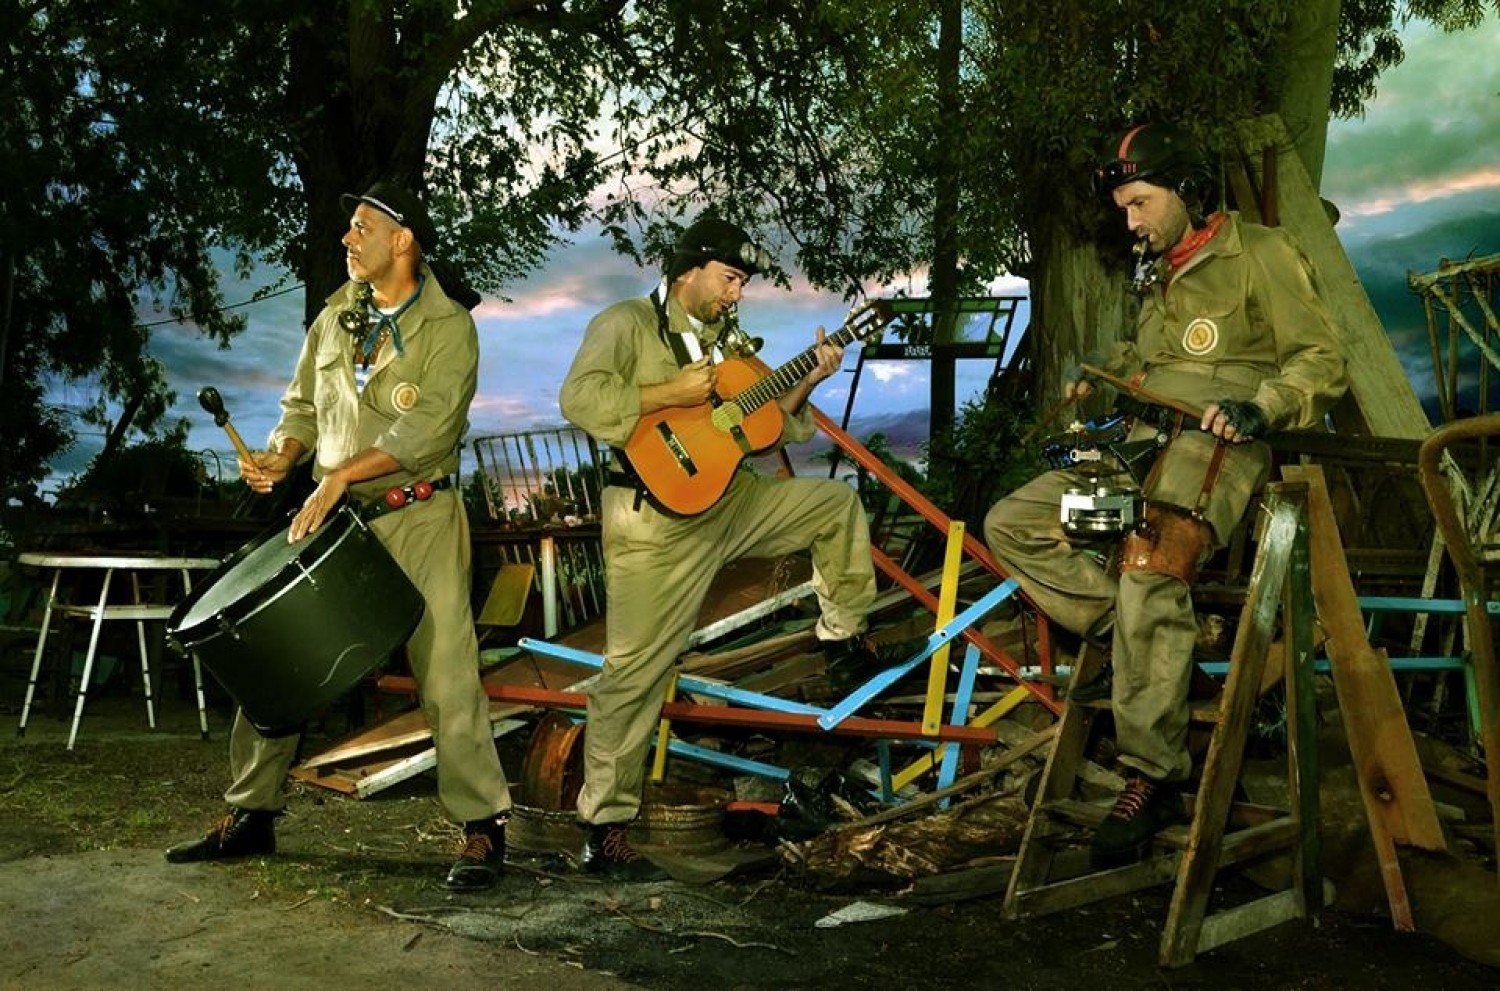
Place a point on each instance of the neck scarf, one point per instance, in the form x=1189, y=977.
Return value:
x=1188, y=246
x=389, y=323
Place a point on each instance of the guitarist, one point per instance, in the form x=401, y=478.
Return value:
x=650, y=353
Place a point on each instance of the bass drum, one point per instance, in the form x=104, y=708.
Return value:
x=288, y=628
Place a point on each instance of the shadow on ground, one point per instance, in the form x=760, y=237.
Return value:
x=351, y=899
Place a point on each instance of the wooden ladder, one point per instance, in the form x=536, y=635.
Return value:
x=1221, y=832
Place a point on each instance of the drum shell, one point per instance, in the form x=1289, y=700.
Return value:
x=332, y=613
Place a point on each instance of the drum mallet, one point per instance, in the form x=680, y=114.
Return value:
x=212, y=402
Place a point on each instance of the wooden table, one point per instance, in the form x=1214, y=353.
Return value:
x=137, y=610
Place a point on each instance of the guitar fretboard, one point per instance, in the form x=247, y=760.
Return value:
x=864, y=323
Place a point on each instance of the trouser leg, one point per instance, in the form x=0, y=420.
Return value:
x=1024, y=532
x=657, y=573
x=769, y=517
x=431, y=542
x=258, y=767
x=1155, y=630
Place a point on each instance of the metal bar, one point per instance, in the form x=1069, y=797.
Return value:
x=959, y=717
x=588, y=499
x=856, y=699
x=691, y=685
x=717, y=758
x=510, y=474
x=720, y=715
x=88, y=660
x=1041, y=690
x=746, y=616
x=485, y=483
x=41, y=647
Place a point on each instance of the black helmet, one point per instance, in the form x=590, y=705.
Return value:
x=711, y=239
x=1161, y=154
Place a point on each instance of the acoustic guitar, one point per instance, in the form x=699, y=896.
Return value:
x=686, y=456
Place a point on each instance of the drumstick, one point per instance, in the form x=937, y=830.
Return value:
x=1143, y=394
x=212, y=402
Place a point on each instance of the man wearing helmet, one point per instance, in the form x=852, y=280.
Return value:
x=1230, y=323
x=653, y=353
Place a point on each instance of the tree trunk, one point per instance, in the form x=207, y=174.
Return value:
x=359, y=122
x=1306, y=97
x=944, y=277
x=1078, y=305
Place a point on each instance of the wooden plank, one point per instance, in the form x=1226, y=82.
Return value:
x=1248, y=919
x=1029, y=745
x=1221, y=765
x=738, y=586
x=1380, y=741
x=1298, y=613
x=1035, y=857
x=1377, y=381
x=400, y=730
x=1090, y=888
x=1398, y=803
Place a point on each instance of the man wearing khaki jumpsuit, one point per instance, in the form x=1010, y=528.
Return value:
x=385, y=406
x=1231, y=324
x=658, y=566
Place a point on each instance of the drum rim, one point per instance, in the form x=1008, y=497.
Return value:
x=334, y=530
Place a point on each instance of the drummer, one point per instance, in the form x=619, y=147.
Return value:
x=379, y=400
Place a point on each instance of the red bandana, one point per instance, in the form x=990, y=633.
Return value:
x=1188, y=246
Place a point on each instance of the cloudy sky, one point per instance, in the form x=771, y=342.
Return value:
x=1416, y=180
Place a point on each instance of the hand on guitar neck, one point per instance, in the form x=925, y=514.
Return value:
x=686, y=455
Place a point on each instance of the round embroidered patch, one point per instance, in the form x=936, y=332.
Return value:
x=1201, y=336
x=404, y=396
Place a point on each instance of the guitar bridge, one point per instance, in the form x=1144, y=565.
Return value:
x=679, y=453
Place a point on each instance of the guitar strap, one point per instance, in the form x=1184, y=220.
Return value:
x=685, y=347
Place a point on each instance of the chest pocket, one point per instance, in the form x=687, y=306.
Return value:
x=333, y=363
x=1206, y=325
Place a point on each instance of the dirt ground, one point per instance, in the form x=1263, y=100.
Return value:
x=351, y=900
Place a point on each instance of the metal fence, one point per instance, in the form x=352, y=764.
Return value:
x=542, y=488
x=540, y=476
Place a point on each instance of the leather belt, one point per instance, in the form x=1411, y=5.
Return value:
x=401, y=496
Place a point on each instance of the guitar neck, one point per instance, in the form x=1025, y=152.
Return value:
x=864, y=323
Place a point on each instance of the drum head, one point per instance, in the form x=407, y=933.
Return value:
x=245, y=578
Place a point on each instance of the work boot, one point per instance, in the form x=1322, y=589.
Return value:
x=1102, y=686
x=241, y=833
x=607, y=851
x=1143, y=809
x=483, y=854
x=854, y=660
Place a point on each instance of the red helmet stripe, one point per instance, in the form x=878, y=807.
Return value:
x=1127, y=139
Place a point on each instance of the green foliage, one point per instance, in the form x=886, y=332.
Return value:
x=1369, y=42
x=145, y=135
x=986, y=455
x=128, y=480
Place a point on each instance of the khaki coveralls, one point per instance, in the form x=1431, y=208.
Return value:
x=658, y=566
x=1240, y=320
x=415, y=408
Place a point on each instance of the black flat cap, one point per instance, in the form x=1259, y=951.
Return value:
x=401, y=206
